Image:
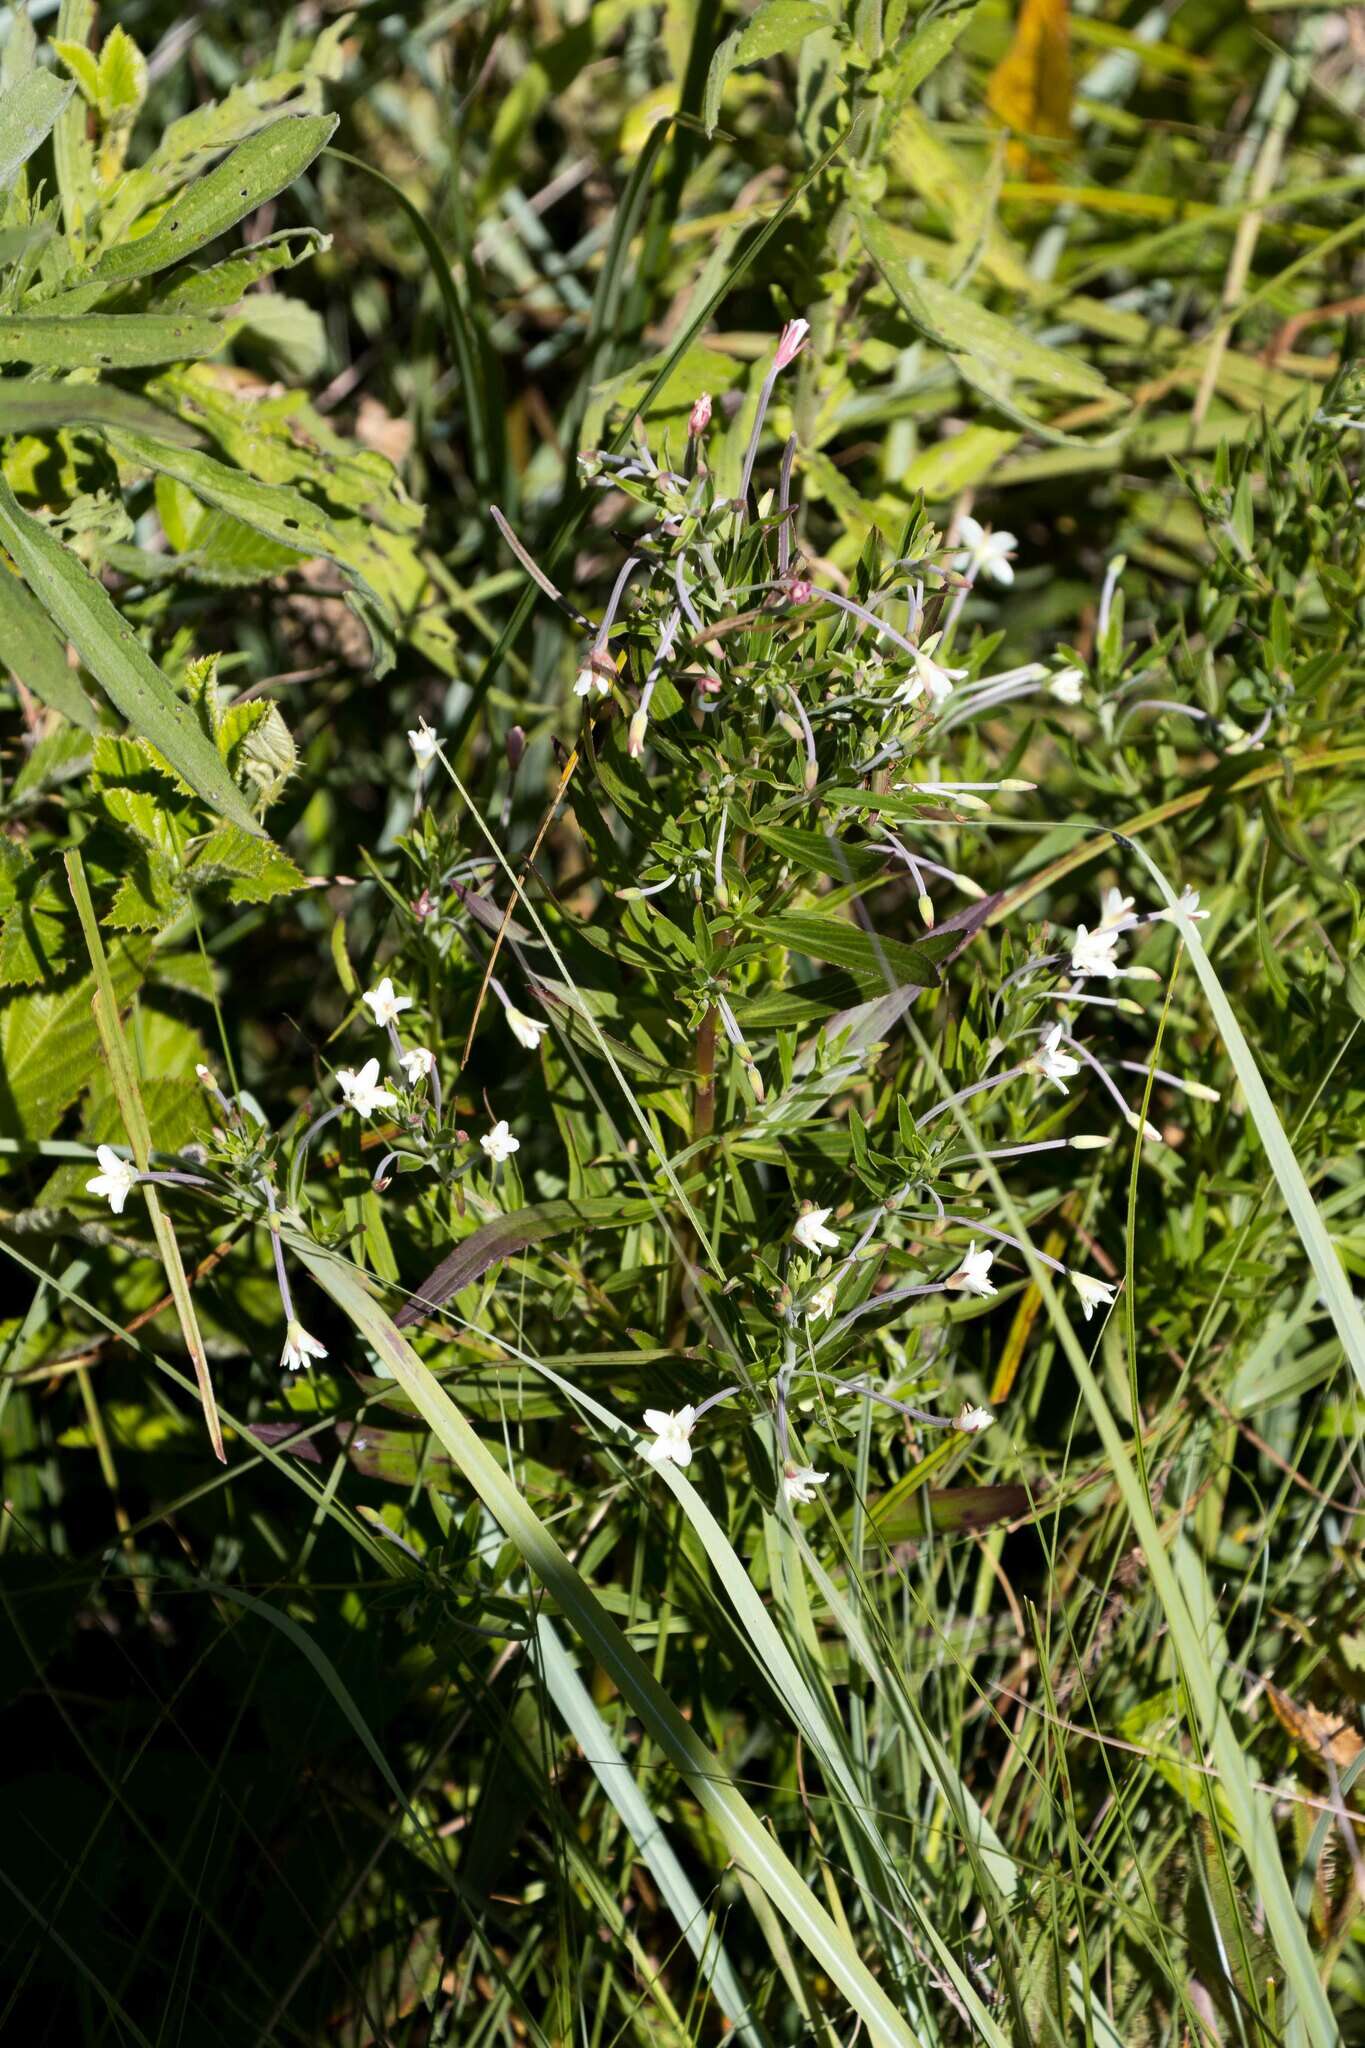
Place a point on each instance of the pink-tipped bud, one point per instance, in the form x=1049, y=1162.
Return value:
x=799, y=591
x=699, y=419
x=711, y=685
x=635, y=739
x=423, y=906
x=516, y=747
x=790, y=343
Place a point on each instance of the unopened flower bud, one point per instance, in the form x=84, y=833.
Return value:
x=926, y=911
x=790, y=343
x=699, y=419
x=515, y=744
x=423, y=906
x=635, y=739
x=799, y=591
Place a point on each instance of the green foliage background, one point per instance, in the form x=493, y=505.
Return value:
x=435, y=1713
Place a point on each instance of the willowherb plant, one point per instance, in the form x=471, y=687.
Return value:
x=768, y=786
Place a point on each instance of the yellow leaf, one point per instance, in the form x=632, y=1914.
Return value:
x=1030, y=88
x=1331, y=1736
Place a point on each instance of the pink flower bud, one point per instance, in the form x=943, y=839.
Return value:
x=790, y=343
x=699, y=419
x=424, y=906
x=516, y=747
x=799, y=591
x=711, y=684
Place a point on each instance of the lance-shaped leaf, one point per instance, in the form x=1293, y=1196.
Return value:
x=32, y=406
x=31, y=650
x=109, y=341
x=257, y=170
x=27, y=113
x=507, y=1235
x=884, y=963
x=86, y=615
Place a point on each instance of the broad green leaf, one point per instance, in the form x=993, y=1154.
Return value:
x=776, y=27
x=505, y=1236
x=108, y=341
x=991, y=348
x=49, y=1045
x=883, y=963
x=28, y=111
x=32, y=652
x=82, y=609
x=253, y=868
x=258, y=169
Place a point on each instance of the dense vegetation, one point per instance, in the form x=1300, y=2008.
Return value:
x=680, y=972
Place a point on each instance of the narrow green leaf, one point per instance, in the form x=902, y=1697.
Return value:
x=885, y=963
x=110, y=341
x=507, y=1235
x=28, y=112
x=83, y=611
x=32, y=406
x=774, y=28
x=258, y=169
x=32, y=652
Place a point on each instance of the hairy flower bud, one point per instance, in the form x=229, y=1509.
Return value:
x=699, y=419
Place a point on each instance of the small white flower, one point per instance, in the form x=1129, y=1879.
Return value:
x=810, y=1233
x=1094, y=1293
x=799, y=1483
x=527, y=1031
x=1066, y=685
x=587, y=680
x=115, y=1180
x=973, y=1276
x=821, y=1302
x=985, y=554
x=384, y=1004
x=930, y=675
x=971, y=1421
x=1116, y=911
x=672, y=1443
x=424, y=743
x=362, y=1090
x=417, y=1061
x=1052, y=1063
x=299, y=1347
x=499, y=1143
x=1189, y=904
x=1093, y=953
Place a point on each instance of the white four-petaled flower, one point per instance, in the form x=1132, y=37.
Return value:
x=115, y=1180
x=417, y=1061
x=1065, y=686
x=810, y=1232
x=973, y=1276
x=1093, y=953
x=672, y=1443
x=1052, y=1063
x=527, y=1031
x=299, y=1347
x=424, y=743
x=971, y=1421
x=1093, y=1293
x=589, y=679
x=1116, y=911
x=499, y=1143
x=821, y=1302
x=363, y=1091
x=385, y=1004
x=984, y=553
x=929, y=675
x=1188, y=904
x=799, y=1483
